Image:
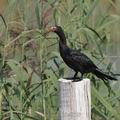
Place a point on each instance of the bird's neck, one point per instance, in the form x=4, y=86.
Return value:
x=62, y=43
x=62, y=37
x=64, y=49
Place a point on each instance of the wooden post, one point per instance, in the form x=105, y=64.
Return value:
x=75, y=100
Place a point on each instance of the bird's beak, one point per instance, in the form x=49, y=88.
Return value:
x=50, y=29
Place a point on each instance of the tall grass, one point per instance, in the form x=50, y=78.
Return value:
x=30, y=64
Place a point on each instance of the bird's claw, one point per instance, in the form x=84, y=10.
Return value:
x=75, y=79
x=71, y=78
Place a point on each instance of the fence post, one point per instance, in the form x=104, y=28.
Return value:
x=74, y=100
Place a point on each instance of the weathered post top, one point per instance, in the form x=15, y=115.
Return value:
x=75, y=100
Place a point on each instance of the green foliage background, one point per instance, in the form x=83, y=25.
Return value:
x=30, y=64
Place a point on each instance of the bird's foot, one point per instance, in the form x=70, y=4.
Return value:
x=72, y=78
x=77, y=80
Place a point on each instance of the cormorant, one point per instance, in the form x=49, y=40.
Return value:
x=76, y=60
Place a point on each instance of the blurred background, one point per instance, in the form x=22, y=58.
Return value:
x=30, y=64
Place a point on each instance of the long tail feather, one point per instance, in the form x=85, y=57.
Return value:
x=102, y=75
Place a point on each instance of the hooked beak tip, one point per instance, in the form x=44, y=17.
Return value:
x=50, y=29
x=47, y=31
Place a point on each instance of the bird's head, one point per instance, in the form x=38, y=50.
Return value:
x=59, y=31
x=56, y=29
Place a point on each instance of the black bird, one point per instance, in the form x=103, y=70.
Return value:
x=76, y=60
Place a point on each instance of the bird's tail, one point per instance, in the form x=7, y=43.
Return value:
x=102, y=75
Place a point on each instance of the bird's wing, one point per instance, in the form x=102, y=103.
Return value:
x=81, y=59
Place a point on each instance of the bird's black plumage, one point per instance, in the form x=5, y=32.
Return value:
x=76, y=60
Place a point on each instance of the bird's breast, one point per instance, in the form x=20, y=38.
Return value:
x=65, y=53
